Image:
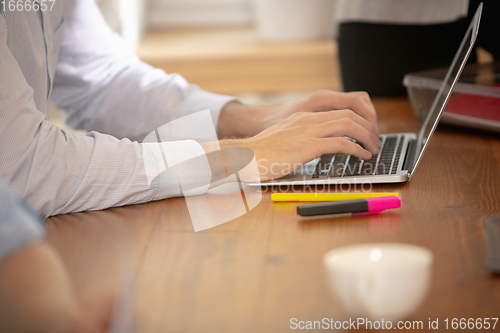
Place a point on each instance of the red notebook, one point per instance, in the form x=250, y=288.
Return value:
x=473, y=111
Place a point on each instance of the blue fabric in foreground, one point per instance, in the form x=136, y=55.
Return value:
x=19, y=225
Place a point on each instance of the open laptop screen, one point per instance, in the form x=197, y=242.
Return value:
x=446, y=88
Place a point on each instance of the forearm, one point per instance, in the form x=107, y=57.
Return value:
x=234, y=121
x=34, y=287
x=35, y=292
x=238, y=120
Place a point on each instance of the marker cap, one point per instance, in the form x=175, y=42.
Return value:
x=379, y=204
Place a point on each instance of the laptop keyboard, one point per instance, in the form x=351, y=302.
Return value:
x=342, y=165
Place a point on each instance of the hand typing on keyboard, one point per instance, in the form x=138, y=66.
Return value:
x=342, y=165
x=304, y=136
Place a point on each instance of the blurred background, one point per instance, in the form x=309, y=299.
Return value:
x=262, y=51
x=235, y=47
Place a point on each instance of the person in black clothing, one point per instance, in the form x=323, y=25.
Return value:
x=375, y=57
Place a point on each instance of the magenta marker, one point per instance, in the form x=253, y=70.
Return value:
x=358, y=207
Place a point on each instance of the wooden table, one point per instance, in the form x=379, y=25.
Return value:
x=257, y=272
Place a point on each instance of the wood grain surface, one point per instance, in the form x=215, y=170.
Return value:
x=255, y=273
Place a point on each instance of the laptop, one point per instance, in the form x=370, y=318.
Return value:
x=400, y=153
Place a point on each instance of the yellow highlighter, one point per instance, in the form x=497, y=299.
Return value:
x=328, y=196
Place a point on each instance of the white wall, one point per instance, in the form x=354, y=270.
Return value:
x=125, y=17
x=193, y=13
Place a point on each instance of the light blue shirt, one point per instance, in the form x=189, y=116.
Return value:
x=19, y=226
x=70, y=55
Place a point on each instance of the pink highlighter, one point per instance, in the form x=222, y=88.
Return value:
x=367, y=206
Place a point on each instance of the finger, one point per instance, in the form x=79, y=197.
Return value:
x=348, y=127
x=359, y=102
x=343, y=145
x=345, y=116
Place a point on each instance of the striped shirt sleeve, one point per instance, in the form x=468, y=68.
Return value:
x=58, y=172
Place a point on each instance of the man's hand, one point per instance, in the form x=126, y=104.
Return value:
x=237, y=120
x=304, y=136
x=284, y=137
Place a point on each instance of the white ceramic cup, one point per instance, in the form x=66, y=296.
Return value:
x=385, y=281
